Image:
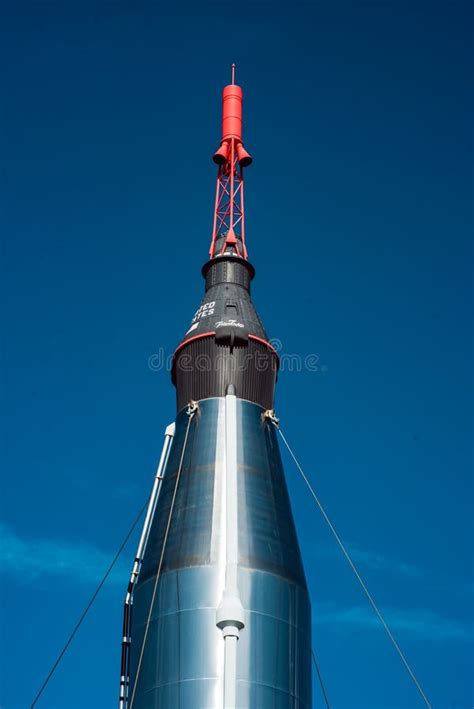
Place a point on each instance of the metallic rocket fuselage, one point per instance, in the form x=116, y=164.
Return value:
x=221, y=617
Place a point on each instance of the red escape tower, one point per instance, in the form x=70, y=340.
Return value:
x=229, y=217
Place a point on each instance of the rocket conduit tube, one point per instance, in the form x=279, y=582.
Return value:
x=128, y=603
x=230, y=613
x=230, y=622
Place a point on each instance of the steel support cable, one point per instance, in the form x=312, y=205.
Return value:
x=320, y=678
x=191, y=412
x=88, y=606
x=353, y=567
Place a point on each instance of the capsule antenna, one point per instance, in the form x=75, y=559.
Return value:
x=233, y=74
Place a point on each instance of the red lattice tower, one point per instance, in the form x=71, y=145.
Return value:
x=228, y=231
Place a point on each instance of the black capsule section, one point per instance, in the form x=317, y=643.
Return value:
x=226, y=343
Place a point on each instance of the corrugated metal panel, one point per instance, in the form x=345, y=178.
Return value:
x=204, y=368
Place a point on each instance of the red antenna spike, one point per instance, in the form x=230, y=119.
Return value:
x=228, y=231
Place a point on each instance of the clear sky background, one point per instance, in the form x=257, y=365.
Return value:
x=359, y=218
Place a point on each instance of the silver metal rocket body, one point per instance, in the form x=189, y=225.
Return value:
x=230, y=623
x=183, y=663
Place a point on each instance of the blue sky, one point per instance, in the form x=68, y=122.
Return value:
x=359, y=216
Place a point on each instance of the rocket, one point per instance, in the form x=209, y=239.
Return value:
x=217, y=613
